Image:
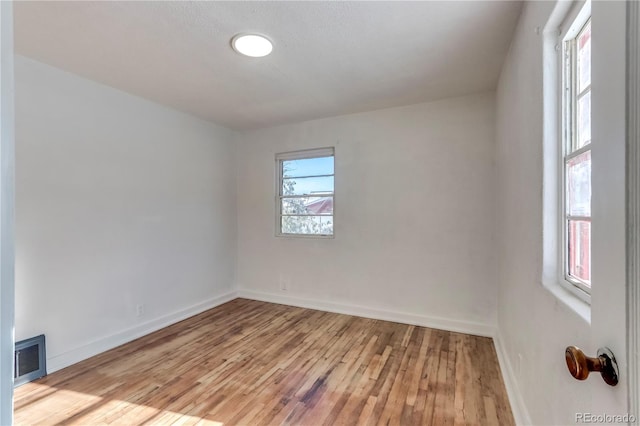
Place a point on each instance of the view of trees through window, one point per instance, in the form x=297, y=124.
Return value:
x=306, y=196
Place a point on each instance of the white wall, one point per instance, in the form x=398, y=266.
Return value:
x=413, y=215
x=120, y=202
x=533, y=322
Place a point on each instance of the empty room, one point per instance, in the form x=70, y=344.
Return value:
x=319, y=213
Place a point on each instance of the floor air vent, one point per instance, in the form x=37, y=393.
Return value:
x=29, y=361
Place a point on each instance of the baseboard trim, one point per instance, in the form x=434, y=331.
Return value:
x=467, y=327
x=518, y=407
x=106, y=343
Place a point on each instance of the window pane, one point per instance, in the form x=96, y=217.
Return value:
x=584, y=58
x=308, y=205
x=308, y=167
x=307, y=225
x=579, y=185
x=579, y=249
x=584, y=120
x=304, y=186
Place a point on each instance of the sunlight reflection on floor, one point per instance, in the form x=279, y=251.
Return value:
x=72, y=407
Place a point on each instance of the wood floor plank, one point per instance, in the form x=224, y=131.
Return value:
x=256, y=363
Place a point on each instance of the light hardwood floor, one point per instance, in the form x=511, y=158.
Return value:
x=255, y=363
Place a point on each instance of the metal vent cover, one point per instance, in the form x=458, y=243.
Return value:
x=29, y=360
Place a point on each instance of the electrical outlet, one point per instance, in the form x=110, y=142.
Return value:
x=284, y=282
x=139, y=310
x=519, y=365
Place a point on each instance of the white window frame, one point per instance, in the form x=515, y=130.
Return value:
x=574, y=24
x=301, y=155
x=560, y=21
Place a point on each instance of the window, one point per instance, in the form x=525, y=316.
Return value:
x=305, y=193
x=576, y=164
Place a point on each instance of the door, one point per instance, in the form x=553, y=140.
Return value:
x=6, y=212
x=608, y=293
x=633, y=202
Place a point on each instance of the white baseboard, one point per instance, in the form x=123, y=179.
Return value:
x=518, y=407
x=467, y=327
x=103, y=344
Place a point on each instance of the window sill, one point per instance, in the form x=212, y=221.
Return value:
x=306, y=236
x=570, y=300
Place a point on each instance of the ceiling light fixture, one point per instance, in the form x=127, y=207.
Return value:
x=253, y=45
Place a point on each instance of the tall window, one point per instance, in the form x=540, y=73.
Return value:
x=305, y=193
x=577, y=156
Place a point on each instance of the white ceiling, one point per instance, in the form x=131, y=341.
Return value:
x=329, y=58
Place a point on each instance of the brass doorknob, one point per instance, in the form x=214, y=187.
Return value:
x=581, y=365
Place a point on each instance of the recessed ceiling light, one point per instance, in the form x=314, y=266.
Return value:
x=253, y=45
